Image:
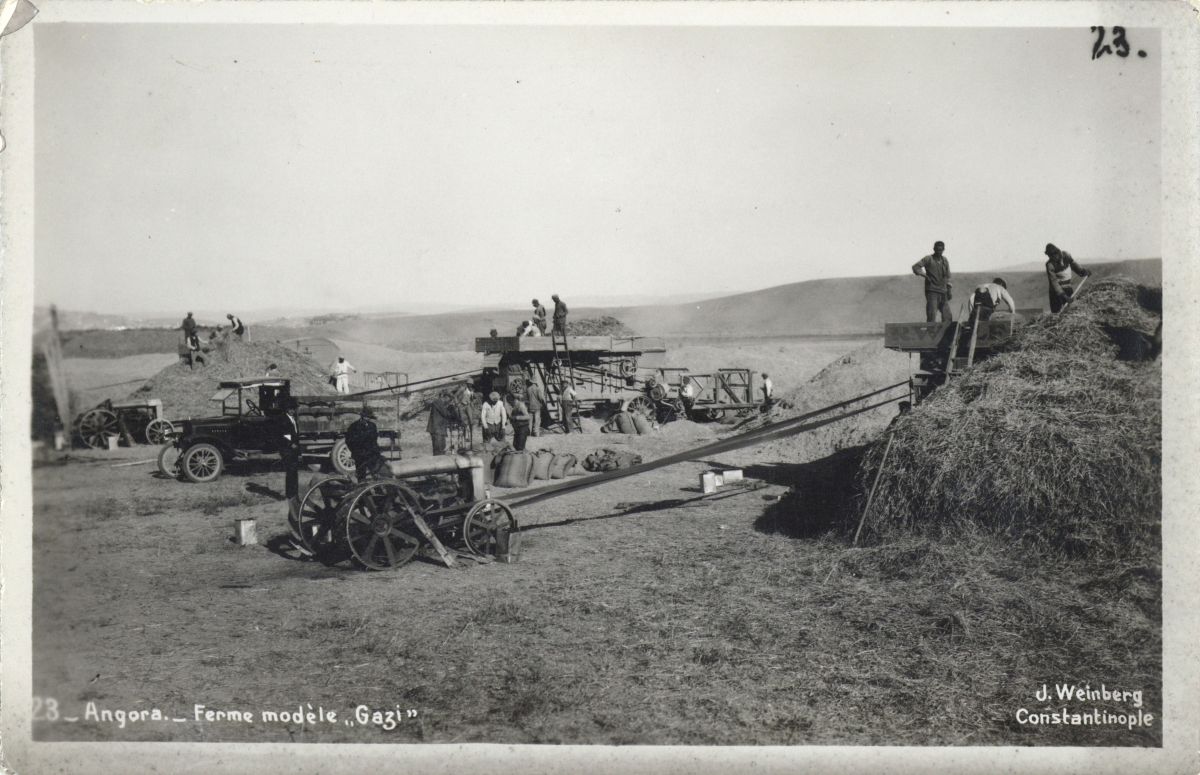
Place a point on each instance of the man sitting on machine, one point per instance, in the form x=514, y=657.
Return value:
x=362, y=438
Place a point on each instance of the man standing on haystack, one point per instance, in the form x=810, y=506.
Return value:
x=237, y=326
x=935, y=268
x=1058, y=272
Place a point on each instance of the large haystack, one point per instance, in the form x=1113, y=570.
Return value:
x=1057, y=440
x=186, y=392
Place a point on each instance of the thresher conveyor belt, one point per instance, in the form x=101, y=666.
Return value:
x=769, y=432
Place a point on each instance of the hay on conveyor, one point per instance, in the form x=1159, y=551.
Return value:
x=1057, y=440
x=186, y=392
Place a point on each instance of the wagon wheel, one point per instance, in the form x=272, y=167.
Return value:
x=202, y=463
x=643, y=406
x=375, y=525
x=516, y=386
x=95, y=426
x=714, y=415
x=159, y=431
x=483, y=521
x=628, y=367
x=168, y=460
x=316, y=518
x=341, y=458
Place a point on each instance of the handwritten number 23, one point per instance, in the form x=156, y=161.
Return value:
x=1100, y=48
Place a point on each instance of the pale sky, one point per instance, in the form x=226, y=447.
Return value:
x=352, y=167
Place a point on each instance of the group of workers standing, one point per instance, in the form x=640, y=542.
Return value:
x=935, y=268
x=191, y=337
x=463, y=410
x=536, y=325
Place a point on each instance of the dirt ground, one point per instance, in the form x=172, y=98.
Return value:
x=641, y=611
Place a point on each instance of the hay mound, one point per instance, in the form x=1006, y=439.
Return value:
x=601, y=326
x=186, y=392
x=1058, y=440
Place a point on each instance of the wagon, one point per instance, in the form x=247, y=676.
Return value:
x=253, y=424
x=383, y=523
x=138, y=420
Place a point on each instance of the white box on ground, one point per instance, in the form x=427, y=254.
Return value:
x=732, y=475
x=708, y=482
x=113, y=441
x=247, y=535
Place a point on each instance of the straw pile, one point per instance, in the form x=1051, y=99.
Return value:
x=1056, y=441
x=186, y=392
x=605, y=325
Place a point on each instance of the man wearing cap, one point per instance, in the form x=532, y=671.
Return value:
x=493, y=417
x=537, y=400
x=539, y=316
x=568, y=401
x=935, y=268
x=987, y=296
x=1058, y=272
x=362, y=437
x=189, y=326
x=467, y=409
x=560, y=315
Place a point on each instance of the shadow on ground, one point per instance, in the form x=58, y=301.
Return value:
x=821, y=496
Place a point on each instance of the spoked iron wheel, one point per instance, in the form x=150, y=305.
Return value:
x=95, y=426
x=485, y=519
x=375, y=525
x=316, y=520
x=341, y=458
x=159, y=431
x=714, y=415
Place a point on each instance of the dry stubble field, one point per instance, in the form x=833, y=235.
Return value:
x=639, y=612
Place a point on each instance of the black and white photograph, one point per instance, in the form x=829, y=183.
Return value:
x=639, y=387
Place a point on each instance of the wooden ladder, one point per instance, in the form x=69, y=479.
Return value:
x=557, y=381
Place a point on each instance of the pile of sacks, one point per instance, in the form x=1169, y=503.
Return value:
x=509, y=468
x=610, y=460
x=627, y=422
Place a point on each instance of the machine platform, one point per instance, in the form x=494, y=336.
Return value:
x=576, y=344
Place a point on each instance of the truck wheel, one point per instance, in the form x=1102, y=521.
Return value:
x=168, y=460
x=341, y=459
x=202, y=463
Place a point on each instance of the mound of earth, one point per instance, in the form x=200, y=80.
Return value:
x=185, y=392
x=1056, y=441
x=601, y=326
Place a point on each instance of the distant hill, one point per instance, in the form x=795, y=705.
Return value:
x=852, y=305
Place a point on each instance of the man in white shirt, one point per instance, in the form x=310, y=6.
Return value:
x=568, y=402
x=987, y=296
x=341, y=375
x=493, y=417
x=768, y=389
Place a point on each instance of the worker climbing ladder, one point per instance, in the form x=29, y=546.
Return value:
x=560, y=374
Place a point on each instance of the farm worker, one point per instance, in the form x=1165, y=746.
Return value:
x=560, y=315
x=987, y=296
x=537, y=402
x=520, y=422
x=465, y=403
x=194, y=352
x=768, y=389
x=935, y=268
x=237, y=325
x=362, y=437
x=569, y=401
x=442, y=416
x=341, y=375
x=493, y=417
x=687, y=394
x=539, y=317
x=1058, y=271
x=189, y=326
x=528, y=328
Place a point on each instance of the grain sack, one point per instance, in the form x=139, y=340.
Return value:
x=625, y=423
x=641, y=424
x=562, y=466
x=542, y=460
x=515, y=469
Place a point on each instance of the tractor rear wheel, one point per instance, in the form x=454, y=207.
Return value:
x=375, y=525
x=643, y=406
x=316, y=518
x=202, y=463
x=95, y=426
